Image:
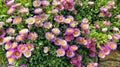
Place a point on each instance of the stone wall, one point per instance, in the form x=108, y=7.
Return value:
x=112, y=60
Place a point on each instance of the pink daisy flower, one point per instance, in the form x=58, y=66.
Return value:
x=8, y=39
x=76, y=32
x=9, y=20
x=84, y=26
x=59, y=18
x=45, y=3
x=60, y=52
x=47, y=25
x=45, y=50
x=10, y=31
x=11, y=10
x=11, y=60
x=70, y=53
x=20, y=38
x=106, y=50
x=8, y=45
x=23, y=10
x=69, y=38
x=73, y=48
x=63, y=42
x=85, y=20
x=32, y=36
x=73, y=24
x=10, y=3
x=116, y=36
x=112, y=45
x=49, y=36
x=37, y=18
x=43, y=17
x=57, y=41
x=80, y=40
x=30, y=47
x=115, y=29
x=22, y=48
x=1, y=24
x=78, y=57
x=39, y=24
x=69, y=31
x=71, y=18
x=60, y=7
x=27, y=54
x=17, y=20
x=38, y=10
x=101, y=54
x=30, y=20
x=9, y=53
x=56, y=31
x=65, y=47
x=17, y=54
x=36, y=3
x=14, y=45
x=67, y=21
x=24, y=31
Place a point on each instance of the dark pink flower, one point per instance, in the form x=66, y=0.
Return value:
x=69, y=31
x=70, y=53
x=69, y=38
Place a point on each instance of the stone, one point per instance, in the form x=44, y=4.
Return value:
x=112, y=60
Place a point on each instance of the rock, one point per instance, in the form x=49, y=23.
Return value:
x=112, y=60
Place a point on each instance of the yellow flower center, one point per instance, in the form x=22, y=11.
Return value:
x=101, y=55
x=14, y=45
x=22, y=48
x=29, y=47
x=11, y=60
x=85, y=26
x=55, y=31
x=10, y=53
x=17, y=53
x=112, y=45
x=62, y=42
x=18, y=20
x=31, y=21
x=27, y=53
x=60, y=52
x=75, y=32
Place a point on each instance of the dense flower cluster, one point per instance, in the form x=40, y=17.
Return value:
x=76, y=33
